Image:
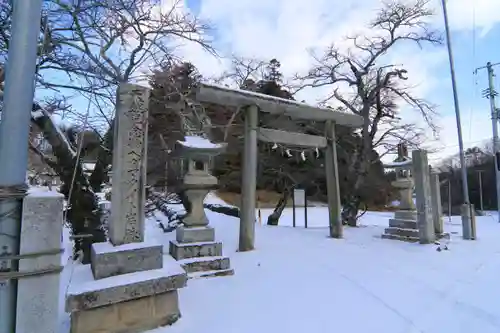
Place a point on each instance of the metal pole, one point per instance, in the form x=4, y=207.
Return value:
x=249, y=181
x=466, y=219
x=449, y=200
x=494, y=123
x=480, y=175
x=14, y=131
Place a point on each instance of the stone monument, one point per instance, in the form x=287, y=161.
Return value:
x=423, y=197
x=404, y=224
x=437, y=209
x=195, y=247
x=40, y=263
x=130, y=286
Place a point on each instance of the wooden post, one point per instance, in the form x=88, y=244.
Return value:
x=249, y=181
x=332, y=182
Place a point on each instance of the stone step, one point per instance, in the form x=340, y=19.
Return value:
x=401, y=238
x=403, y=224
x=405, y=215
x=194, y=250
x=208, y=274
x=401, y=232
x=205, y=264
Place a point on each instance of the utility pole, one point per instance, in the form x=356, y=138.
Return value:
x=449, y=200
x=490, y=94
x=466, y=216
x=480, y=178
x=14, y=132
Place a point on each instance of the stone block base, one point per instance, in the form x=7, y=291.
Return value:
x=409, y=235
x=401, y=238
x=401, y=232
x=108, y=260
x=128, y=303
x=406, y=215
x=133, y=316
x=402, y=223
x=193, y=250
x=196, y=250
x=195, y=235
x=205, y=264
x=209, y=274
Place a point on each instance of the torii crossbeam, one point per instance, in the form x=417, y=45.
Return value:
x=252, y=102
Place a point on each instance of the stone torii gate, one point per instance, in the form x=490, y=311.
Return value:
x=252, y=103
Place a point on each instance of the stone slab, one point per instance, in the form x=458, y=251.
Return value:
x=406, y=215
x=405, y=224
x=86, y=293
x=134, y=316
x=195, y=235
x=401, y=232
x=193, y=250
x=401, y=238
x=41, y=230
x=205, y=264
x=108, y=260
x=208, y=274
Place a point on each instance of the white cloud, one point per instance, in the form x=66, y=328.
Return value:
x=286, y=30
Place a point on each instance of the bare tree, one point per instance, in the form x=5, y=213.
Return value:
x=88, y=47
x=377, y=91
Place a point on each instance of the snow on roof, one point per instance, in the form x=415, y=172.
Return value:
x=214, y=93
x=399, y=164
x=88, y=166
x=199, y=142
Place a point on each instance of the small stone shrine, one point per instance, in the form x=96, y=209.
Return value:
x=129, y=286
x=195, y=247
x=404, y=224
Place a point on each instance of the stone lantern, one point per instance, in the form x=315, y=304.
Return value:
x=404, y=183
x=404, y=224
x=197, y=182
x=195, y=246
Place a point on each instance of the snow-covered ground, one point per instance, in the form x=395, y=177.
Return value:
x=298, y=280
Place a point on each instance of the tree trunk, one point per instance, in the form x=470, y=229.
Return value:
x=104, y=159
x=274, y=218
x=83, y=212
x=352, y=201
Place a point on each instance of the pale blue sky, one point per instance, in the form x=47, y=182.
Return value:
x=287, y=29
x=475, y=34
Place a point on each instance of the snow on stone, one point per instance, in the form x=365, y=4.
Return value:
x=43, y=192
x=85, y=282
x=298, y=280
x=107, y=247
x=199, y=142
x=405, y=163
x=36, y=114
x=270, y=98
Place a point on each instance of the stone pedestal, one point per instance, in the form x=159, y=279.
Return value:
x=404, y=224
x=129, y=287
x=132, y=303
x=198, y=253
x=41, y=232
